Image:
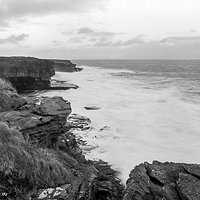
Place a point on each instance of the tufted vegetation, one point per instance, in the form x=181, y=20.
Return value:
x=6, y=85
x=25, y=167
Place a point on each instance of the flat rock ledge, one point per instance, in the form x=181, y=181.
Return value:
x=61, y=85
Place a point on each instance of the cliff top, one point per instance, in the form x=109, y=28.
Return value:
x=26, y=67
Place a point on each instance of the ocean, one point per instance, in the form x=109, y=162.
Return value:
x=150, y=110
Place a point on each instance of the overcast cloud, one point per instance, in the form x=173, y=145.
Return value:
x=100, y=28
x=14, y=39
x=182, y=39
x=104, y=42
x=10, y=9
x=92, y=32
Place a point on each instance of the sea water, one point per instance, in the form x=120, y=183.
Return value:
x=150, y=110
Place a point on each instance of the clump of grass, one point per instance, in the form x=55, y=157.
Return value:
x=25, y=168
x=9, y=99
x=6, y=85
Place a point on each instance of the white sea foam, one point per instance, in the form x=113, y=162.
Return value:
x=140, y=123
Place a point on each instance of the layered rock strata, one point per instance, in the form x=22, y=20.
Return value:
x=40, y=120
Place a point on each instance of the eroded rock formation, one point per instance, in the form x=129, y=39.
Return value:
x=159, y=181
x=41, y=120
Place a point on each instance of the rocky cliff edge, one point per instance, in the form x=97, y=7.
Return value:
x=27, y=73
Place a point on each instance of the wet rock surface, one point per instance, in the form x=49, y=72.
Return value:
x=75, y=121
x=92, y=107
x=170, y=181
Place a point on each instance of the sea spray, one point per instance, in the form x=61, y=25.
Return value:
x=148, y=115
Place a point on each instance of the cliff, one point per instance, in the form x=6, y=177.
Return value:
x=27, y=73
x=40, y=157
x=65, y=66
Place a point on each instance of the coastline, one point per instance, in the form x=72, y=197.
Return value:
x=62, y=170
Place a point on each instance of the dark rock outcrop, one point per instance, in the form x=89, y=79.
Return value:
x=27, y=73
x=41, y=120
x=169, y=181
x=65, y=66
x=78, y=122
x=106, y=185
x=92, y=108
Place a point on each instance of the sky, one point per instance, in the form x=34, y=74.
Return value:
x=100, y=29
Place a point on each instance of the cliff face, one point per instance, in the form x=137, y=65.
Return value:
x=27, y=73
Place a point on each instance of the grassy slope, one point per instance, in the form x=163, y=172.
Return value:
x=24, y=168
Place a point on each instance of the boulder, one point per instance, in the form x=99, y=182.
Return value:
x=78, y=122
x=92, y=107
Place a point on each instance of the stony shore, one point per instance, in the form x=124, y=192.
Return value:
x=41, y=158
